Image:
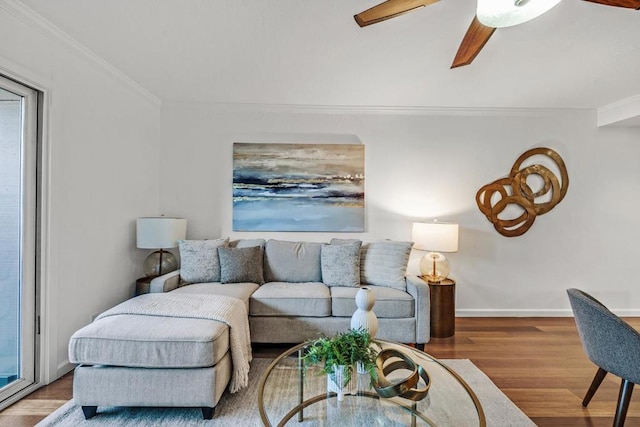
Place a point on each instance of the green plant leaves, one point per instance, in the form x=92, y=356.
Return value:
x=345, y=348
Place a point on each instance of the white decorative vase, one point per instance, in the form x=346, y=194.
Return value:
x=364, y=317
x=338, y=386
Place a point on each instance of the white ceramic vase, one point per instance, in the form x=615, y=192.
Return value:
x=364, y=317
x=338, y=386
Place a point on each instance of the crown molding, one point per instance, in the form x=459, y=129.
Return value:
x=28, y=16
x=625, y=112
x=372, y=109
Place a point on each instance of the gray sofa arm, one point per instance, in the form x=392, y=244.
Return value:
x=419, y=290
x=165, y=283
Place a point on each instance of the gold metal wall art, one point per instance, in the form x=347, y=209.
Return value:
x=493, y=199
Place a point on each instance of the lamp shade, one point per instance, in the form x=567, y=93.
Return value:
x=160, y=232
x=506, y=13
x=435, y=236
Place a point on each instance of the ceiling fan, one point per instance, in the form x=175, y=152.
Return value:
x=491, y=14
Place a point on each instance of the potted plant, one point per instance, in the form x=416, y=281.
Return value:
x=339, y=355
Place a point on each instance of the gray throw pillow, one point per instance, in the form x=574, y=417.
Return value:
x=341, y=264
x=199, y=260
x=240, y=265
x=385, y=263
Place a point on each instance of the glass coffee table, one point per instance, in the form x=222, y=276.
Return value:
x=287, y=396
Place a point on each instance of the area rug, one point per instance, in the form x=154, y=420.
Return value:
x=241, y=409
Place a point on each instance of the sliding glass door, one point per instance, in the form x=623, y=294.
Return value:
x=18, y=231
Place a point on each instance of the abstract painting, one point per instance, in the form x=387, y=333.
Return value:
x=298, y=187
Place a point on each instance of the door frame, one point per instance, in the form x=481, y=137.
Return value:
x=44, y=365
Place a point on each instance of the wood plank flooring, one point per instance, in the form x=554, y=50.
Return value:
x=540, y=365
x=537, y=362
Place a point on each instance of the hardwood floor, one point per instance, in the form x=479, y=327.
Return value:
x=537, y=362
x=540, y=365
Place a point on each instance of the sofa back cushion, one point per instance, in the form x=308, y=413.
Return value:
x=199, y=261
x=247, y=243
x=384, y=263
x=294, y=262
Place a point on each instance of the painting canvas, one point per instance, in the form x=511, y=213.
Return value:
x=298, y=187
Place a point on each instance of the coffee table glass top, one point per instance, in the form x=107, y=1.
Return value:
x=286, y=397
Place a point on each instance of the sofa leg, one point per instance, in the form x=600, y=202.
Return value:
x=207, y=412
x=89, y=411
x=420, y=346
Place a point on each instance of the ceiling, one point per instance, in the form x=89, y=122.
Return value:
x=578, y=55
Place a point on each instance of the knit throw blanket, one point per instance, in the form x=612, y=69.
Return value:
x=225, y=309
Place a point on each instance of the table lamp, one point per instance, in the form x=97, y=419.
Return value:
x=160, y=233
x=435, y=237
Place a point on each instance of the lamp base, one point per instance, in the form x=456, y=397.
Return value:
x=159, y=263
x=434, y=267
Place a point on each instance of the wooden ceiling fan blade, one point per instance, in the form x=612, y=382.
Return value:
x=631, y=4
x=474, y=40
x=389, y=9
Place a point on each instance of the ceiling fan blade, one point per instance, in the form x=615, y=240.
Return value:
x=389, y=9
x=474, y=40
x=631, y=4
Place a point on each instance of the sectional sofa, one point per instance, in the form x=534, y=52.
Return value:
x=295, y=291
x=187, y=342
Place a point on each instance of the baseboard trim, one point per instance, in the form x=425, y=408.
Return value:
x=472, y=312
x=64, y=368
x=631, y=312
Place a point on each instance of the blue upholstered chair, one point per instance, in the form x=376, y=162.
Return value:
x=611, y=344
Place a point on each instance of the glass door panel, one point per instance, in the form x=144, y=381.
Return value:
x=18, y=160
x=10, y=144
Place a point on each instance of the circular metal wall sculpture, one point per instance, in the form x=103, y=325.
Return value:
x=494, y=198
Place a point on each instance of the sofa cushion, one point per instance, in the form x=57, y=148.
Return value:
x=150, y=342
x=199, y=261
x=241, y=264
x=291, y=299
x=292, y=261
x=385, y=263
x=241, y=291
x=390, y=303
x=341, y=264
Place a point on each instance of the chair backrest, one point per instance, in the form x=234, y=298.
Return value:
x=608, y=341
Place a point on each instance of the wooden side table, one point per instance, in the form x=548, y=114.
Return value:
x=443, y=308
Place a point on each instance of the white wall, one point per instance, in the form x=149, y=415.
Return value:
x=430, y=164
x=101, y=165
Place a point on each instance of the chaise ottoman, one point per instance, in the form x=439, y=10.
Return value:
x=129, y=358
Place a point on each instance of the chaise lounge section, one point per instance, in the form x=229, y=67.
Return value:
x=162, y=350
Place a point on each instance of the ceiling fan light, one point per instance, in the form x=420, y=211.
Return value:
x=506, y=13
